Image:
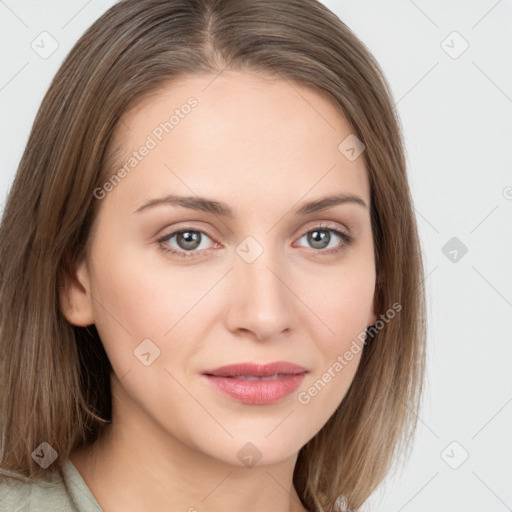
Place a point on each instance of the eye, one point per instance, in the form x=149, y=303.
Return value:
x=185, y=241
x=326, y=239
x=190, y=242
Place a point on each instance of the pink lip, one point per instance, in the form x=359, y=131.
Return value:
x=230, y=380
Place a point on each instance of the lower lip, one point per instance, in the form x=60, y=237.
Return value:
x=257, y=392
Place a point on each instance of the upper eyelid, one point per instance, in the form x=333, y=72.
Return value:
x=324, y=225
x=175, y=231
x=318, y=224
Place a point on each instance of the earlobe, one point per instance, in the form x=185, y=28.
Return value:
x=74, y=296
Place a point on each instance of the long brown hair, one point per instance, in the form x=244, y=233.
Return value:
x=55, y=377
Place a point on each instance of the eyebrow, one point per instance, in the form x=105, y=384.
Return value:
x=217, y=207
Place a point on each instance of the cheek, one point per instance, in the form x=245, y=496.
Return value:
x=140, y=297
x=342, y=299
x=137, y=292
x=343, y=306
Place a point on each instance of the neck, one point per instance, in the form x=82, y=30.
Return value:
x=135, y=465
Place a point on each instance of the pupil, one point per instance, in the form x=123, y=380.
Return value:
x=319, y=239
x=189, y=239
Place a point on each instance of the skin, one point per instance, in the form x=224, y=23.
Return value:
x=264, y=147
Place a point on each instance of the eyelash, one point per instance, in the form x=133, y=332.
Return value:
x=345, y=237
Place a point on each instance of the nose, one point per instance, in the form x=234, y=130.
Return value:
x=260, y=300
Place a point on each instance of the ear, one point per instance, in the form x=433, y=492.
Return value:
x=373, y=315
x=74, y=296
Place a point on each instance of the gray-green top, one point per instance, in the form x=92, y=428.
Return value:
x=52, y=493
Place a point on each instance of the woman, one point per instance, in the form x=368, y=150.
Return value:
x=211, y=279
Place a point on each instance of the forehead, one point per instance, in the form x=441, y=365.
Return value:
x=239, y=135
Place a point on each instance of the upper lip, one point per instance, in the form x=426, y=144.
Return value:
x=257, y=370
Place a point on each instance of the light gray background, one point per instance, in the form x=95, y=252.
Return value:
x=456, y=113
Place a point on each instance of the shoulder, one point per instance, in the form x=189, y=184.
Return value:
x=18, y=494
x=52, y=492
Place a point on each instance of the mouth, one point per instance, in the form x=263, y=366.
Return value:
x=257, y=384
x=253, y=377
x=251, y=371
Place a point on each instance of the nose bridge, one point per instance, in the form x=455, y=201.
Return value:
x=260, y=301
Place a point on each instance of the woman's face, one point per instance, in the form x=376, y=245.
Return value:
x=205, y=253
